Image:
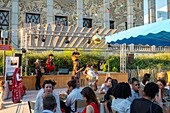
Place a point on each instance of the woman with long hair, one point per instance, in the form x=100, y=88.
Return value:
x=92, y=105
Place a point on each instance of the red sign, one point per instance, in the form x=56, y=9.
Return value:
x=5, y=47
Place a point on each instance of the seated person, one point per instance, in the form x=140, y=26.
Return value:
x=49, y=104
x=91, y=101
x=121, y=104
x=48, y=89
x=109, y=96
x=105, y=86
x=73, y=95
x=50, y=63
x=135, y=90
x=145, y=104
x=163, y=93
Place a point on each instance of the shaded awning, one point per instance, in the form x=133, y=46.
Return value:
x=56, y=37
x=157, y=33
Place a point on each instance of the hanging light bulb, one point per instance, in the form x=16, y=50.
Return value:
x=66, y=40
x=96, y=38
x=89, y=41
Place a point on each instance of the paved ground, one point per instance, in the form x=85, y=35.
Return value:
x=10, y=107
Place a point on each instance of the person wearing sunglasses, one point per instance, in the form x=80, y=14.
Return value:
x=135, y=89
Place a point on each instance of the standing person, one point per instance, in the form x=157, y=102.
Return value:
x=76, y=66
x=91, y=76
x=92, y=105
x=48, y=89
x=146, y=104
x=17, y=87
x=135, y=90
x=38, y=74
x=49, y=104
x=50, y=63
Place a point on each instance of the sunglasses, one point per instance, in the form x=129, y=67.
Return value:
x=136, y=84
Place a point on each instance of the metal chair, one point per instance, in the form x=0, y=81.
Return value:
x=31, y=106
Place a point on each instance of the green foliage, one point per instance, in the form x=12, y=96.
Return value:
x=113, y=62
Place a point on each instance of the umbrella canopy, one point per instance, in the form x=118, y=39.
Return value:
x=157, y=33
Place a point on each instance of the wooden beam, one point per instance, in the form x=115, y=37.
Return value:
x=72, y=44
x=45, y=32
x=63, y=39
x=30, y=32
x=57, y=37
x=113, y=31
x=70, y=38
x=38, y=35
x=82, y=39
x=53, y=29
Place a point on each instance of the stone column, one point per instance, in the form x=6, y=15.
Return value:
x=129, y=14
x=168, y=6
x=14, y=24
x=80, y=13
x=151, y=11
x=50, y=14
x=106, y=13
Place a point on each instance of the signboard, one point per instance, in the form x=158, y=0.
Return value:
x=5, y=47
x=11, y=64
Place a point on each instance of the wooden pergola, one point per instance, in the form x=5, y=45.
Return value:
x=55, y=37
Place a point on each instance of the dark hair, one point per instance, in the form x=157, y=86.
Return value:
x=49, y=102
x=134, y=80
x=108, y=79
x=147, y=75
x=151, y=89
x=122, y=90
x=47, y=82
x=89, y=94
x=145, y=79
x=53, y=83
x=114, y=84
x=72, y=83
x=162, y=81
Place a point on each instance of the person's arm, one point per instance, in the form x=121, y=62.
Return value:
x=101, y=89
x=89, y=109
x=18, y=78
x=105, y=106
x=68, y=100
x=158, y=98
x=37, y=104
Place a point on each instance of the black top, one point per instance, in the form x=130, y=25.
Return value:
x=75, y=53
x=107, y=95
x=144, y=106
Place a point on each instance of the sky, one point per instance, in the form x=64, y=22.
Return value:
x=161, y=5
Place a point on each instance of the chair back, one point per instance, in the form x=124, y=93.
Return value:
x=80, y=104
x=100, y=96
x=31, y=106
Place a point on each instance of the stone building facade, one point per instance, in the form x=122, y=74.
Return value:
x=111, y=14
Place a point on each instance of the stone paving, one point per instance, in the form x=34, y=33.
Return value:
x=10, y=107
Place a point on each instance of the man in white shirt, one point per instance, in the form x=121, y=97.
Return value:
x=135, y=90
x=73, y=95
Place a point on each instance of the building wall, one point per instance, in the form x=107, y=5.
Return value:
x=92, y=9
